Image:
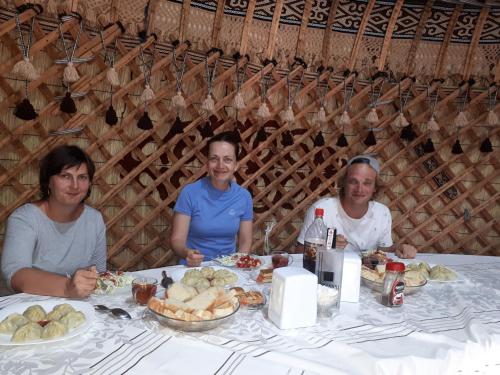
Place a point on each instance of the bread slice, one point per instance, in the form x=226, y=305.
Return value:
x=223, y=310
x=203, y=300
x=265, y=275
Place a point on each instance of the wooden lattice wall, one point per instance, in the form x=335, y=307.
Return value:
x=441, y=202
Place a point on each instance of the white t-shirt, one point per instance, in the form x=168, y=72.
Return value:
x=373, y=230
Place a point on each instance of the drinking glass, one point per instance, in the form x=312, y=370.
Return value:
x=143, y=288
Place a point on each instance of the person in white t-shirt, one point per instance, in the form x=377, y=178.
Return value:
x=361, y=223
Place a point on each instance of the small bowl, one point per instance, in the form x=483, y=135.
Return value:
x=194, y=326
x=377, y=286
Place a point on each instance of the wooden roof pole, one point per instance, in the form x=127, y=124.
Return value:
x=153, y=8
x=11, y=24
x=325, y=45
x=247, y=25
x=438, y=71
x=300, y=48
x=184, y=21
x=219, y=13
x=273, y=32
x=388, y=34
x=410, y=60
x=359, y=35
x=478, y=29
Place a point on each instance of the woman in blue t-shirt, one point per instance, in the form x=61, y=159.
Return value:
x=213, y=212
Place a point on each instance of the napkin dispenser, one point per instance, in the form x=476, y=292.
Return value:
x=293, y=300
x=351, y=277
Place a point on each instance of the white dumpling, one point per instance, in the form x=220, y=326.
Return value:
x=207, y=272
x=18, y=319
x=7, y=326
x=54, y=315
x=35, y=313
x=63, y=308
x=28, y=332
x=54, y=329
x=73, y=319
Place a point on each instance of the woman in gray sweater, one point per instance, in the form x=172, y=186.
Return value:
x=56, y=246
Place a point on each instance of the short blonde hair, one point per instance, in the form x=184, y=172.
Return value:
x=342, y=180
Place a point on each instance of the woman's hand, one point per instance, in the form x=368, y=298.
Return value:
x=82, y=283
x=194, y=258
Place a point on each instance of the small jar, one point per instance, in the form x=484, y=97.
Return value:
x=394, y=284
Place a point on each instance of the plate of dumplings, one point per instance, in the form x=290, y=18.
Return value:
x=41, y=322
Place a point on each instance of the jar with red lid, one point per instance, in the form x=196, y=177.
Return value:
x=394, y=284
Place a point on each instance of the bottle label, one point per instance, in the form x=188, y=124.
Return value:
x=397, y=293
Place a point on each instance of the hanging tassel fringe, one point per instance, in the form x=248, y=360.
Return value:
x=319, y=141
x=70, y=73
x=288, y=115
x=457, y=148
x=67, y=104
x=372, y=117
x=148, y=94
x=111, y=117
x=177, y=127
x=400, y=121
x=145, y=122
x=318, y=158
x=261, y=135
x=206, y=131
x=486, y=145
x=370, y=139
x=429, y=146
x=407, y=133
x=432, y=125
x=178, y=101
x=492, y=118
x=112, y=77
x=238, y=101
x=208, y=104
x=25, y=110
x=24, y=69
x=342, y=141
x=322, y=115
x=287, y=138
x=345, y=120
x=263, y=111
x=461, y=120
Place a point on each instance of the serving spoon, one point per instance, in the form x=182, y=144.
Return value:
x=118, y=312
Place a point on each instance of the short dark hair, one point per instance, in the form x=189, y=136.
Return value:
x=227, y=136
x=62, y=157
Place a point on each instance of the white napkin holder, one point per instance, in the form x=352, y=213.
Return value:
x=293, y=300
x=351, y=277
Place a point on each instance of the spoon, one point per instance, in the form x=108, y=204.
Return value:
x=118, y=312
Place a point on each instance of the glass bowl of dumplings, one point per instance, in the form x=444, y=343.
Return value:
x=415, y=279
x=28, y=323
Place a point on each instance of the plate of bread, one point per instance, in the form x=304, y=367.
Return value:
x=186, y=309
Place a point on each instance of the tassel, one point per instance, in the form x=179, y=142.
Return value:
x=342, y=141
x=345, y=120
x=178, y=101
x=486, y=145
x=263, y=111
x=112, y=77
x=457, y=148
x=238, y=101
x=177, y=127
x=70, y=73
x=318, y=158
x=206, y=131
x=400, y=121
x=432, y=125
x=236, y=135
x=148, y=94
x=429, y=146
x=287, y=138
x=319, y=140
x=322, y=115
x=288, y=115
x=461, y=120
x=492, y=118
x=261, y=135
x=25, y=70
x=67, y=104
x=370, y=139
x=52, y=6
x=145, y=122
x=372, y=117
x=25, y=110
x=111, y=117
x=208, y=104
x=407, y=133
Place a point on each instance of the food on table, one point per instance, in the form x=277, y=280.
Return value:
x=180, y=292
x=441, y=273
x=327, y=300
x=239, y=260
x=265, y=276
x=249, y=298
x=35, y=313
x=422, y=267
x=412, y=277
x=108, y=281
x=204, y=278
x=210, y=304
x=56, y=323
x=372, y=259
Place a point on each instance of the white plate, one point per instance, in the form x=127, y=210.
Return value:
x=178, y=273
x=119, y=290
x=48, y=305
x=227, y=262
x=460, y=277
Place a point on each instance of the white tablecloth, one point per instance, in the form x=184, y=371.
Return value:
x=446, y=328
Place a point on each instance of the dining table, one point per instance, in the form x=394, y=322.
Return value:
x=444, y=328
